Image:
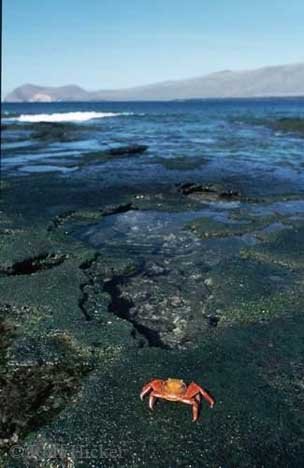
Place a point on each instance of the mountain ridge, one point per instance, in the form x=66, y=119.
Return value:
x=271, y=81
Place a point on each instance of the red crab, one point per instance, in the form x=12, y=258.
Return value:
x=177, y=390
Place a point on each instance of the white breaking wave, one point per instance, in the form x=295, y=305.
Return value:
x=68, y=116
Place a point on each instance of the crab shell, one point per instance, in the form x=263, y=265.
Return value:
x=173, y=387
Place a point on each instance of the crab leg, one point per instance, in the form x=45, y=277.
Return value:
x=152, y=400
x=195, y=389
x=195, y=411
x=146, y=389
x=194, y=402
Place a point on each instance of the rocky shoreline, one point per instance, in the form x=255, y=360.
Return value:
x=168, y=243
x=87, y=318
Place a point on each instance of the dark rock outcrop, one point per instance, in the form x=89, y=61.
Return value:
x=126, y=150
x=209, y=192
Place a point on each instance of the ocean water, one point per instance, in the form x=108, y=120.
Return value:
x=210, y=139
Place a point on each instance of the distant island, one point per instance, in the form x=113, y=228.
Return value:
x=276, y=81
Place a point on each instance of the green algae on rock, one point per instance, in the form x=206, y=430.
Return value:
x=241, y=367
x=45, y=354
x=289, y=124
x=32, y=393
x=248, y=291
x=281, y=248
x=207, y=227
x=4, y=185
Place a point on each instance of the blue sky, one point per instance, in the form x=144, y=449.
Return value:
x=118, y=43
